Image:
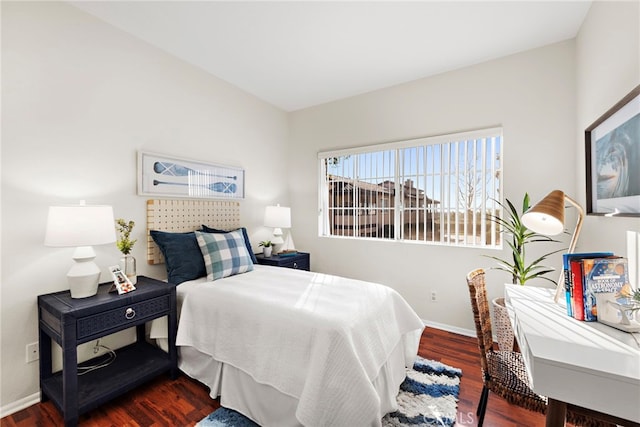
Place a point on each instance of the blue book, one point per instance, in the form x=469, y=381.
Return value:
x=568, y=284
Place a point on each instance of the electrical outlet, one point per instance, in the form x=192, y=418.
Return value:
x=33, y=352
x=434, y=296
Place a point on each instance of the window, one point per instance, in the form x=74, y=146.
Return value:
x=438, y=190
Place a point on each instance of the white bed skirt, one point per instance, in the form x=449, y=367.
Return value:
x=269, y=407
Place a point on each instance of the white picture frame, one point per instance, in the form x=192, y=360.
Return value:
x=121, y=282
x=170, y=176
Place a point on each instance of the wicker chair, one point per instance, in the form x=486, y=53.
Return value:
x=504, y=372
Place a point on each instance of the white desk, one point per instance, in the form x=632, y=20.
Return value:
x=587, y=364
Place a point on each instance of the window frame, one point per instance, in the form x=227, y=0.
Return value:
x=442, y=141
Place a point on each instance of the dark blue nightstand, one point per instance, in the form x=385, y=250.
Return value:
x=70, y=322
x=300, y=261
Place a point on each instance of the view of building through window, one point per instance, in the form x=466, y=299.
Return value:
x=433, y=190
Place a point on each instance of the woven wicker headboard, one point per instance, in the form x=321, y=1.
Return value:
x=177, y=216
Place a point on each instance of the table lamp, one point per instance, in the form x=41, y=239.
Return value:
x=547, y=217
x=81, y=226
x=278, y=217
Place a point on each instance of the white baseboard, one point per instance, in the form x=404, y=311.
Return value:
x=449, y=328
x=19, y=405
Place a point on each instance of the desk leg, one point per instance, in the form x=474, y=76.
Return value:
x=556, y=413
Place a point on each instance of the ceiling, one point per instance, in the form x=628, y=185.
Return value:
x=300, y=54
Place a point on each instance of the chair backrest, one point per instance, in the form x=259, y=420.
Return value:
x=481, y=314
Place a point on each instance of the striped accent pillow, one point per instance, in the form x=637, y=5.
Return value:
x=225, y=254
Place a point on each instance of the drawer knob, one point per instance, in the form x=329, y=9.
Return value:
x=130, y=313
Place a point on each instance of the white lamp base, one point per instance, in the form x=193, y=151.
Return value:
x=277, y=236
x=84, y=274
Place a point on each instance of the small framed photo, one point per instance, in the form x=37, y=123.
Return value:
x=161, y=175
x=121, y=282
x=612, y=157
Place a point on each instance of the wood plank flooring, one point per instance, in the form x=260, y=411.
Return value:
x=462, y=352
x=183, y=402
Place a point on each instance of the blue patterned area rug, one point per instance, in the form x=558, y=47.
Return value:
x=428, y=397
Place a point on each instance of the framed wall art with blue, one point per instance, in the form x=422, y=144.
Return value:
x=163, y=175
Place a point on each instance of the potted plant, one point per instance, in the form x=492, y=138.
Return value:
x=520, y=271
x=125, y=244
x=267, y=248
x=521, y=236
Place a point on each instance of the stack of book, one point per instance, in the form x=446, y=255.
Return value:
x=591, y=280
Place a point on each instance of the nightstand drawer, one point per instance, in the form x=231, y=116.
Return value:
x=127, y=314
x=300, y=264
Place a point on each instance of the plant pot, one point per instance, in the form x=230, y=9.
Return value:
x=266, y=251
x=502, y=325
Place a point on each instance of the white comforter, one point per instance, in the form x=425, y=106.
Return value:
x=319, y=338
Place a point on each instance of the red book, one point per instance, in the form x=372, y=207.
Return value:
x=577, y=297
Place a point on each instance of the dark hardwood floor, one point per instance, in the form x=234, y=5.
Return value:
x=183, y=402
x=462, y=352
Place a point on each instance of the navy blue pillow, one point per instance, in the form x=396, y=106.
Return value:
x=207, y=229
x=182, y=255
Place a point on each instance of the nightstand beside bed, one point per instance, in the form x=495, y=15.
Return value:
x=70, y=322
x=300, y=261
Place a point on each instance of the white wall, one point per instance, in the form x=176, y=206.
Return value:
x=531, y=95
x=608, y=67
x=79, y=98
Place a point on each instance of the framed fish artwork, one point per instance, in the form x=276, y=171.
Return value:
x=162, y=175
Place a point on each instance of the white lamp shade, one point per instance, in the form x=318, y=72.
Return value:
x=542, y=223
x=80, y=225
x=277, y=217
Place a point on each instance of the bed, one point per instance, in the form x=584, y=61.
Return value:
x=284, y=347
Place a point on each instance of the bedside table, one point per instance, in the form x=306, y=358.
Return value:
x=300, y=261
x=70, y=322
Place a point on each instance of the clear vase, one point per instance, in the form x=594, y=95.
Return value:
x=128, y=266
